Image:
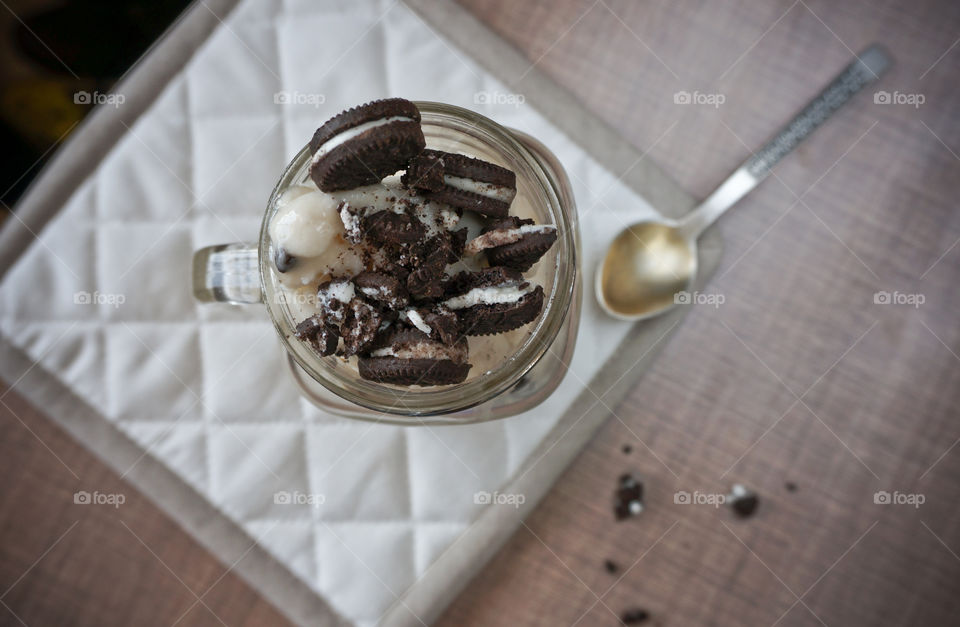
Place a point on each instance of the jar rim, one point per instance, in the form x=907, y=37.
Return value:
x=331, y=373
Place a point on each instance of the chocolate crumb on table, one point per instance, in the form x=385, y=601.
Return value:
x=611, y=566
x=744, y=502
x=628, y=497
x=635, y=616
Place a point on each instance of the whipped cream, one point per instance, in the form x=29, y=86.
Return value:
x=306, y=223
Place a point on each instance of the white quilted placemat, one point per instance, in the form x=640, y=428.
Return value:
x=102, y=300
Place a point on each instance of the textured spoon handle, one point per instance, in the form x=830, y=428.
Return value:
x=864, y=70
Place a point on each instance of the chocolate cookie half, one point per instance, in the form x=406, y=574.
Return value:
x=493, y=300
x=513, y=242
x=410, y=357
x=463, y=182
x=363, y=145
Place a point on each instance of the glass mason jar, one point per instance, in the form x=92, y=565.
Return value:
x=244, y=274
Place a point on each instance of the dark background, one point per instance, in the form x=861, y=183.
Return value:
x=50, y=50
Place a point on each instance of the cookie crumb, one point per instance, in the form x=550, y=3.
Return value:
x=629, y=497
x=743, y=501
x=611, y=566
x=627, y=449
x=635, y=616
x=790, y=486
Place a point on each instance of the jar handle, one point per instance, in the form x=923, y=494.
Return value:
x=227, y=273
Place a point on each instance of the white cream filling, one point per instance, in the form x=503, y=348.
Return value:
x=343, y=291
x=493, y=239
x=533, y=228
x=422, y=350
x=449, y=219
x=435, y=218
x=414, y=318
x=375, y=292
x=351, y=221
x=488, y=296
x=345, y=136
x=488, y=190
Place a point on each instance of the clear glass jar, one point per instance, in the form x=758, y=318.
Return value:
x=520, y=382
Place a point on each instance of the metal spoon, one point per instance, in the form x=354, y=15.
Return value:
x=649, y=263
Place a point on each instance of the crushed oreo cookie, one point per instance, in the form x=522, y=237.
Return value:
x=628, y=499
x=406, y=316
x=635, y=616
x=744, y=502
x=321, y=335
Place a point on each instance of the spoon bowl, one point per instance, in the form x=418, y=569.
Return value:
x=647, y=265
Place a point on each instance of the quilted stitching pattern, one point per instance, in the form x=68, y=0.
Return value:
x=205, y=389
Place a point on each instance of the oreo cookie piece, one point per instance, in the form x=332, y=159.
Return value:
x=352, y=218
x=439, y=323
x=426, y=281
x=360, y=327
x=333, y=297
x=318, y=333
x=493, y=300
x=628, y=500
x=410, y=357
x=466, y=281
x=382, y=288
x=363, y=145
x=513, y=242
x=388, y=227
x=426, y=171
x=458, y=242
x=462, y=181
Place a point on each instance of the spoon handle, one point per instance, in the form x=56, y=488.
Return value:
x=865, y=69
